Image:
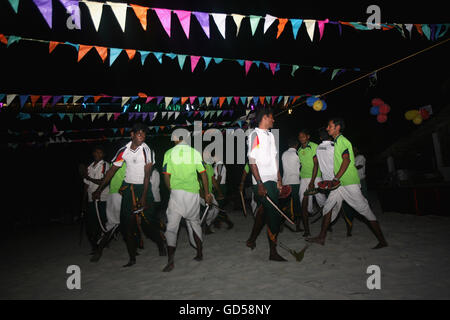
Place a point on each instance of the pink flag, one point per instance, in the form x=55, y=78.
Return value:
x=54, y=129
x=116, y=115
x=273, y=66
x=164, y=16
x=273, y=99
x=185, y=20
x=248, y=64
x=321, y=24
x=45, y=100
x=149, y=99
x=192, y=99
x=194, y=61
x=236, y=100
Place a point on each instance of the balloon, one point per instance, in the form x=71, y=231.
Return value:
x=324, y=105
x=310, y=101
x=384, y=108
x=381, y=118
x=317, y=106
x=411, y=114
x=424, y=114
x=374, y=110
x=417, y=120
x=377, y=102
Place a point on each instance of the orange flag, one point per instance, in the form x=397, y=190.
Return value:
x=295, y=98
x=141, y=13
x=142, y=95
x=130, y=53
x=82, y=51
x=221, y=100
x=184, y=99
x=52, y=45
x=3, y=39
x=34, y=99
x=419, y=28
x=121, y=131
x=103, y=52
x=96, y=98
x=261, y=99
x=281, y=26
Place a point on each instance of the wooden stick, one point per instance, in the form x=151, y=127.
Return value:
x=279, y=210
x=243, y=204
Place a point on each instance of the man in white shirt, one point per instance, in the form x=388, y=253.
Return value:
x=266, y=178
x=291, y=177
x=95, y=212
x=136, y=192
x=220, y=176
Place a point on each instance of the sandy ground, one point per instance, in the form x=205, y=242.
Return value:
x=416, y=265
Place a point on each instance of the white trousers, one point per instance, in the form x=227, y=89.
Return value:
x=183, y=204
x=113, y=203
x=353, y=196
x=320, y=197
x=213, y=212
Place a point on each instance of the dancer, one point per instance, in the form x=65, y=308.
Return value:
x=213, y=211
x=310, y=176
x=242, y=185
x=182, y=163
x=219, y=178
x=349, y=189
x=291, y=176
x=96, y=212
x=136, y=191
x=266, y=178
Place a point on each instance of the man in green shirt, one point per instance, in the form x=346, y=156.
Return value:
x=181, y=165
x=349, y=189
x=310, y=176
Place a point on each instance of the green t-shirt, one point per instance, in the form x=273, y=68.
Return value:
x=306, y=156
x=247, y=168
x=182, y=163
x=117, y=179
x=341, y=146
x=209, y=174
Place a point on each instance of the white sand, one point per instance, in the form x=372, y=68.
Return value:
x=415, y=266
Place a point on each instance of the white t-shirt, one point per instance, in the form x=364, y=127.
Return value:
x=361, y=161
x=291, y=167
x=223, y=172
x=155, y=180
x=97, y=171
x=262, y=148
x=325, y=157
x=136, y=161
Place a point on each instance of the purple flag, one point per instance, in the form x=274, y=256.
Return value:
x=203, y=19
x=45, y=7
x=159, y=99
x=72, y=7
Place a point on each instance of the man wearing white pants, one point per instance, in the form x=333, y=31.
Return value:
x=114, y=200
x=349, y=190
x=180, y=168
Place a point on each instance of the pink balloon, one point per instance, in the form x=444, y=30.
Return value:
x=384, y=108
x=377, y=102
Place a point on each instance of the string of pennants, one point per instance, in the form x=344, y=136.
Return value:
x=126, y=101
x=430, y=31
x=114, y=53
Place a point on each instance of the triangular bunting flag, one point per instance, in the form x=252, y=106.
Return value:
x=268, y=20
x=229, y=100
x=113, y=54
x=120, y=12
x=45, y=100
x=321, y=24
x=194, y=61
x=236, y=100
x=93, y=115
x=248, y=64
x=102, y=52
x=158, y=56
x=83, y=49
x=207, y=100
x=52, y=45
x=281, y=25
x=273, y=67
x=34, y=99
x=141, y=14
x=184, y=99
x=76, y=98
x=176, y=115
x=221, y=100
x=125, y=100
x=14, y=4
x=144, y=55
x=12, y=39
x=200, y=100
x=185, y=20
x=203, y=19
x=108, y=116
x=219, y=19
x=310, y=25
x=23, y=100
x=159, y=99
x=70, y=115
x=243, y=100
x=95, y=9
x=294, y=68
x=181, y=60
x=164, y=16
x=192, y=99
x=335, y=71
x=207, y=61
x=237, y=18
x=296, y=24
x=261, y=99
x=285, y=100
x=214, y=100
x=46, y=8
x=167, y=100
x=218, y=60
x=273, y=99
x=254, y=20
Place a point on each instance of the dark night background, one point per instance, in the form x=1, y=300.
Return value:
x=46, y=180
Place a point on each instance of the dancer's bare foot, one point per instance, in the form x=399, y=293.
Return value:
x=169, y=267
x=380, y=245
x=251, y=244
x=318, y=240
x=198, y=257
